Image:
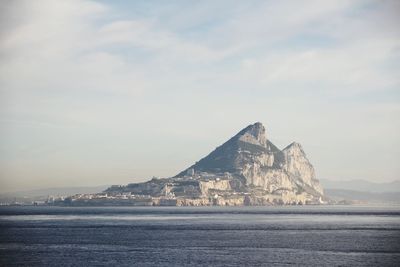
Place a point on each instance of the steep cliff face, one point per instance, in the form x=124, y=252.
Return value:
x=257, y=162
x=297, y=164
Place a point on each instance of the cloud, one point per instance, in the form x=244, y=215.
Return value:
x=128, y=72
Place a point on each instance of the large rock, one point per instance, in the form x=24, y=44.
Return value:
x=255, y=161
x=248, y=169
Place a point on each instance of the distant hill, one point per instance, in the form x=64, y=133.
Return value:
x=362, y=185
x=362, y=191
x=363, y=197
x=56, y=191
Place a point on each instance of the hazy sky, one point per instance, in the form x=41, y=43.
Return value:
x=112, y=92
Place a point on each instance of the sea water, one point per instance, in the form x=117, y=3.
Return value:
x=200, y=236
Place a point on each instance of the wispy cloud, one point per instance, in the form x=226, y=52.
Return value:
x=194, y=71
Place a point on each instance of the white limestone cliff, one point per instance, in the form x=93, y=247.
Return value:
x=297, y=164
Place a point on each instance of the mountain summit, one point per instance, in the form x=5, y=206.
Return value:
x=246, y=147
x=248, y=169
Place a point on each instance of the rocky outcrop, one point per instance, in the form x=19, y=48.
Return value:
x=257, y=162
x=297, y=165
x=248, y=169
x=211, y=186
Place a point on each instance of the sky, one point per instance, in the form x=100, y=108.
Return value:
x=114, y=92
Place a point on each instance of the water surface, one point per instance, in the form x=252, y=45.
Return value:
x=203, y=236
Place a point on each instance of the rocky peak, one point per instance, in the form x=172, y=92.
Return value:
x=294, y=148
x=294, y=145
x=254, y=134
x=298, y=165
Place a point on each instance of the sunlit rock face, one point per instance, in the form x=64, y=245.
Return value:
x=254, y=134
x=298, y=166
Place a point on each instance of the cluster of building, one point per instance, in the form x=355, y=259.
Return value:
x=207, y=191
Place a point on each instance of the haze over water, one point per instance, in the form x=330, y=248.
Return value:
x=205, y=236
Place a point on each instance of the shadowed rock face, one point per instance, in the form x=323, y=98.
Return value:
x=256, y=161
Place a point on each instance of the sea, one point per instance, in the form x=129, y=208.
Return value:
x=200, y=236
